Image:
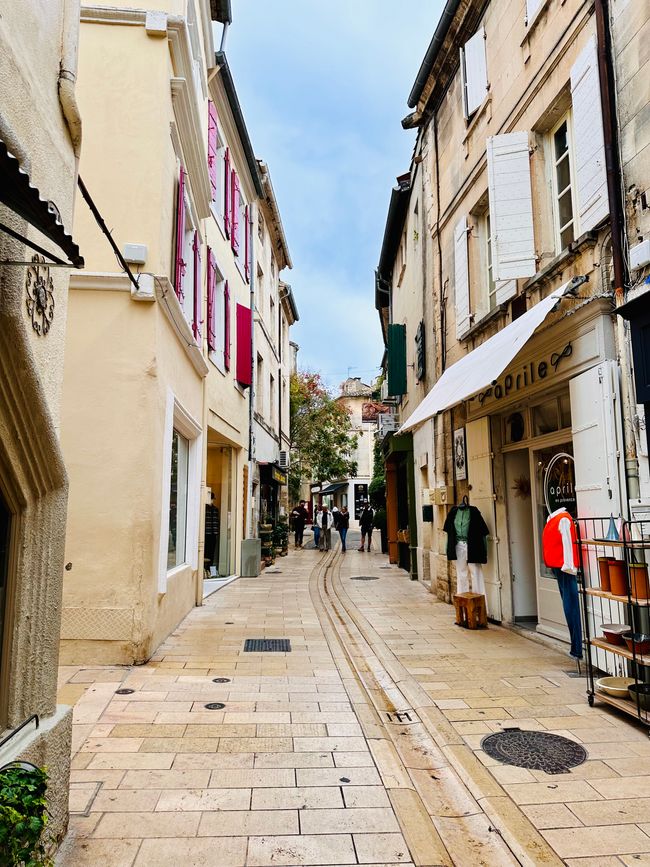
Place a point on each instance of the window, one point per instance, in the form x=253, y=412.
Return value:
x=260, y=227
x=177, y=545
x=272, y=319
x=488, y=281
x=259, y=388
x=216, y=164
x=562, y=182
x=272, y=401
x=216, y=313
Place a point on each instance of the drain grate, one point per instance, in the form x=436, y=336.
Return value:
x=539, y=751
x=124, y=691
x=220, y=680
x=214, y=705
x=267, y=645
x=364, y=578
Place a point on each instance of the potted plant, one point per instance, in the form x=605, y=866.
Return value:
x=23, y=815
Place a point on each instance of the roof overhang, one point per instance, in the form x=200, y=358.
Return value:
x=334, y=487
x=221, y=11
x=400, y=196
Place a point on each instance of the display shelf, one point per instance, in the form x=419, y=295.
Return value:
x=608, y=543
x=620, y=651
x=604, y=594
x=625, y=704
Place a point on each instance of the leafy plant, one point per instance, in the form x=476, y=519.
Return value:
x=23, y=817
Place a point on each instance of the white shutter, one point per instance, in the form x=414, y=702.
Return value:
x=589, y=141
x=506, y=289
x=461, y=278
x=511, y=206
x=474, y=72
x=531, y=8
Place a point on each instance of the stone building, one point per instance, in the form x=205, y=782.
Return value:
x=505, y=217
x=40, y=139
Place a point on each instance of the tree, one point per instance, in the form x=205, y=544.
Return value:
x=321, y=438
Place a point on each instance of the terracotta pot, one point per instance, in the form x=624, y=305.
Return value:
x=603, y=571
x=617, y=577
x=639, y=580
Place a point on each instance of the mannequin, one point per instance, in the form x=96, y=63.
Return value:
x=467, y=544
x=560, y=550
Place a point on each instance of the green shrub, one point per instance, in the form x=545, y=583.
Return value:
x=23, y=817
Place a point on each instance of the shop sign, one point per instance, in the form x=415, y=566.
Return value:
x=559, y=484
x=279, y=476
x=527, y=374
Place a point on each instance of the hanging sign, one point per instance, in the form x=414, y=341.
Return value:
x=559, y=484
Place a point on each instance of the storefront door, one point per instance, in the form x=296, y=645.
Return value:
x=521, y=537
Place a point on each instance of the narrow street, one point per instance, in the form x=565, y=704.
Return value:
x=362, y=745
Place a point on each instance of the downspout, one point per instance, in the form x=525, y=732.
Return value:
x=253, y=388
x=68, y=74
x=617, y=215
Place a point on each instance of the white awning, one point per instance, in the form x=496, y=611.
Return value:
x=483, y=365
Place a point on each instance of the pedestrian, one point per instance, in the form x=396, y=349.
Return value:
x=299, y=516
x=366, y=522
x=343, y=525
x=316, y=527
x=335, y=517
x=325, y=522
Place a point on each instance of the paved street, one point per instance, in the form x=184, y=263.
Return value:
x=307, y=762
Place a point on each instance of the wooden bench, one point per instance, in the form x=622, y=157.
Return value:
x=471, y=611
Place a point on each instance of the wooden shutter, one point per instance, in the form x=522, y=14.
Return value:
x=226, y=192
x=179, y=270
x=212, y=301
x=589, y=140
x=212, y=147
x=511, y=206
x=506, y=289
x=226, y=326
x=244, y=345
x=420, y=352
x=461, y=278
x=196, y=318
x=247, y=252
x=234, y=212
x=473, y=65
x=396, y=351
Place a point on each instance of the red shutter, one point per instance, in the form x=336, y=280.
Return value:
x=226, y=192
x=180, y=236
x=234, y=213
x=212, y=148
x=226, y=326
x=196, y=319
x=212, y=306
x=244, y=345
x=247, y=252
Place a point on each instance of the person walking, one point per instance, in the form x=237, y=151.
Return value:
x=335, y=516
x=366, y=522
x=342, y=526
x=316, y=527
x=325, y=522
x=299, y=516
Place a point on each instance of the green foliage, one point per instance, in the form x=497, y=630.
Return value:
x=377, y=486
x=23, y=817
x=321, y=438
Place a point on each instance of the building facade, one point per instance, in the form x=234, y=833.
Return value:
x=40, y=139
x=523, y=390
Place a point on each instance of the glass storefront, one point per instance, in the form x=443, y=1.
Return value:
x=177, y=546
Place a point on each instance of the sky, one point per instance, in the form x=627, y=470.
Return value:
x=323, y=87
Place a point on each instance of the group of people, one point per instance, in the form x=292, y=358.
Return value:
x=325, y=521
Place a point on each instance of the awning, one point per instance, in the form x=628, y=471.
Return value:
x=483, y=365
x=18, y=194
x=332, y=489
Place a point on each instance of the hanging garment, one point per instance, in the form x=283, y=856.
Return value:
x=559, y=542
x=469, y=576
x=477, y=532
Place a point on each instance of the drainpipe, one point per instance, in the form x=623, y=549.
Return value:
x=617, y=214
x=68, y=74
x=252, y=389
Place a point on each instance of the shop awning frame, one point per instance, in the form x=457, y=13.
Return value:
x=333, y=488
x=482, y=366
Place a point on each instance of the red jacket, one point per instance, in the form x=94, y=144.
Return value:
x=559, y=542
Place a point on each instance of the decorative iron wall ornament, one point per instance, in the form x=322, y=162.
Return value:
x=40, y=295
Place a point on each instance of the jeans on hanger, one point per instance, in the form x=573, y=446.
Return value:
x=568, y=587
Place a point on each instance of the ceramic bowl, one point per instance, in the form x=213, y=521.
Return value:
x=640, y=640
x=616, y=686
x=614, y=632
x=640, y=691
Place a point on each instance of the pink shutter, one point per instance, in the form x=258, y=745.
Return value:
x=234, y=213
x=180, y=236
x=226, y=326
x=196, y=319
x=212, y=306
x=247, y=252
x=212, y=148
x=226, y=192
x=244, y=345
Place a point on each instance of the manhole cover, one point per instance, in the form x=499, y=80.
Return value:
x=220, y=680
x=267, y=645
x=364, y=578
x=124, y=691
x=539, y=751
x=215, y=705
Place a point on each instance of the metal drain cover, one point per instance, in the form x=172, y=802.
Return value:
x=214, y=705
x=267, y=645
x=220, y=680
x=364, y=578
x=539, y=751
x=124, y=691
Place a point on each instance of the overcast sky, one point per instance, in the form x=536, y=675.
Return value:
x=323, y=87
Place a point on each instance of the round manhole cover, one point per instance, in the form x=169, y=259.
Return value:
x=124, y=691
x=220, y=680
x=215, y=705
x=539, y=751
x=364, y=577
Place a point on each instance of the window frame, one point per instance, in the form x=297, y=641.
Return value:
x=553, y=163
x=216, y=355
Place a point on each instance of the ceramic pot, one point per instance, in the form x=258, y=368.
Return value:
x=603, y=572
x=616, y=686
x=639, y=580
x=638, y=642
x=640, y=692
x=617, y=581
x=614, y=632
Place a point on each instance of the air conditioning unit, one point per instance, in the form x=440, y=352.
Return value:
x=284, y=459
x=386, y=423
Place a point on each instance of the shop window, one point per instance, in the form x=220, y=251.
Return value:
x=545, y=418
x=515, y=428
x=565, y=411
x=562, y=183
x=178, y=490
